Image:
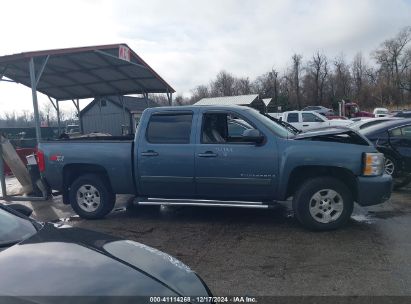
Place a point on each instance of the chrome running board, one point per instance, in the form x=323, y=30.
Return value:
x=205, y=203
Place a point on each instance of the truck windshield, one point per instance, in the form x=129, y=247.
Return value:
x=275, y=127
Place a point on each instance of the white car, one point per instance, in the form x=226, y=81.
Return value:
x=381, y=112
x=309, y=120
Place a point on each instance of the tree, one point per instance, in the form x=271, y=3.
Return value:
x=341, y=79
x=199, y=93
x=266, y=85
x=242, y=86
x=394, y=60
x=296, y=78
x=318, y=69
x=223, y=85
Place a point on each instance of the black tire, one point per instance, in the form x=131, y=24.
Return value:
x=400, y=178
x=303, y=201
x=97, y=187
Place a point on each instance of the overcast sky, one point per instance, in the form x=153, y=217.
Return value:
x=189, y=42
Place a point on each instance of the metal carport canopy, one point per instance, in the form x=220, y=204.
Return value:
x=84, y=72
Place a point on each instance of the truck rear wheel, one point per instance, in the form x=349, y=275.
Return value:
x=323, y=203
x=90, y=197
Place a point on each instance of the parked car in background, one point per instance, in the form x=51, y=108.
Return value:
x=381, y=112
x=320, y=110
x=393, y=138
x=187, y=156
x=309, y=120
x=43, y=259
x=403, y=114
x=365, y=123
x=73, y=129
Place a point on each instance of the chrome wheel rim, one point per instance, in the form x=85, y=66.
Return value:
x=88, y=198
x=326, y=206
x=389, y=166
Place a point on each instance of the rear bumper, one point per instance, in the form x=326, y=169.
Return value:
x=373, y=190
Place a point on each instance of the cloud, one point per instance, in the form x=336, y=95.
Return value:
x=189, y=42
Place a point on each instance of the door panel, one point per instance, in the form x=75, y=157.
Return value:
x=234, y=170
x=166, y=157
x=311, y=121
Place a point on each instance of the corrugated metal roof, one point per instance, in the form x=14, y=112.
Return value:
x=228, y=100
x=86, y=72
x=267, y=101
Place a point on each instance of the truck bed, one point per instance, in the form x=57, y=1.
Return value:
x=111, y=154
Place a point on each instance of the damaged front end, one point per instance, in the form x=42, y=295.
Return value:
x=335, y=134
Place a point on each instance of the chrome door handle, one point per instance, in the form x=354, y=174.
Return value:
x=306, y=125
x=149, y=153
x=207, y=154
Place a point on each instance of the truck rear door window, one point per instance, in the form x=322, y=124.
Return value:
x=169, y=128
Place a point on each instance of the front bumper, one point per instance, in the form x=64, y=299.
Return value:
x=373, y=190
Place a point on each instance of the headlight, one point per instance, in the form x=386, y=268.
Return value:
x=373, y=164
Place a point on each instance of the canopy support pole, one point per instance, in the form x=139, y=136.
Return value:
x=58, y=116
x=169, y=97
x=2, y=175
x=124, y=113
x=57, y=108
x=76, y=103
x=34, y=96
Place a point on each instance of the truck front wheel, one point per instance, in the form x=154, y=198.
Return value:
x=323, y=203
x=90, y=197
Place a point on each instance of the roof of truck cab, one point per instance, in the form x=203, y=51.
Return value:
x=199, y=107
x=228, y=100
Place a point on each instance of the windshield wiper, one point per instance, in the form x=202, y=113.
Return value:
x=286, y=125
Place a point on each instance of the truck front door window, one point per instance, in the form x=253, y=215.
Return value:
x=214, y=128
x=219, y=128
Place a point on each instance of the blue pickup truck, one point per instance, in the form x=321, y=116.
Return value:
x=219, y=156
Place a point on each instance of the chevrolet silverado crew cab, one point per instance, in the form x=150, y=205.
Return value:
x=219, y=156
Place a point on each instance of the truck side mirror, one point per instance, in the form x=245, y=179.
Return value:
x=253, y=135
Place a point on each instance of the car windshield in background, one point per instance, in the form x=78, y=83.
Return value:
x=272, y=125
x=14, y=229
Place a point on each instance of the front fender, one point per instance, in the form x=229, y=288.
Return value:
x=306, y=153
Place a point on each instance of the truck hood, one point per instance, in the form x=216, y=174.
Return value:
x=334, y=134
x=70, y=261
x=322, y=131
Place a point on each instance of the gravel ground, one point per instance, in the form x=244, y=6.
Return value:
x=266, y=252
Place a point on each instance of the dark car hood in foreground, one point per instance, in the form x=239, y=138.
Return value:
x=78, y=262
